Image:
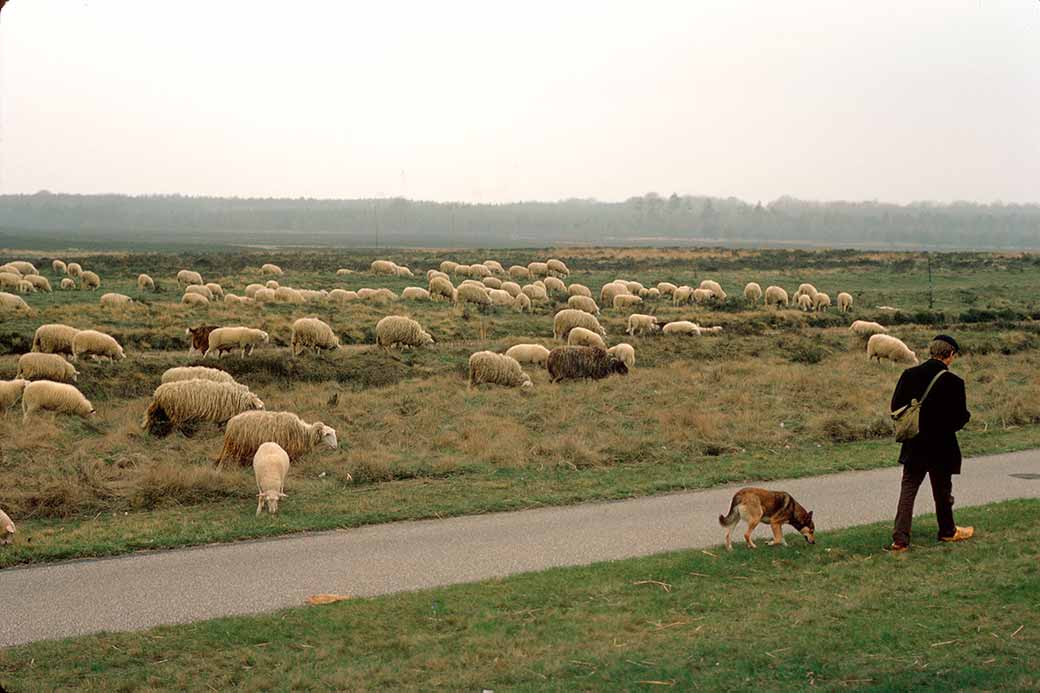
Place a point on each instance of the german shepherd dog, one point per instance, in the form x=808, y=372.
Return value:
x=754, y=505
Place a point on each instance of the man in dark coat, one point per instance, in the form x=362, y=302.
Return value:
x=934, y=450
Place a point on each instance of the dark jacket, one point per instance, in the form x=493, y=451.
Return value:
x=943, y=414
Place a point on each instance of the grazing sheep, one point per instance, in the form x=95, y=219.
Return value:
x=554, y=285
x=496, y=369
x=522, y=303
x=844, y=302
x=607, y=292
x=495, y=266
x=625, y=352
x=447, y=266
x=703, y=295
x=641, y=324
x=752, y=292
x=581, y=362
x=59, y=267
x=579, y=336
x=312, y=333
x=74, y=269
x=538, y=269
x=13, y=302
x=883, y=346
x=45, y=395
x=251, y=290
x=415, y=293
x=776, y=296
x=342, y=296
x=314, y=296
x=625, y=301
x=225, y=339
x=264, y=295
x=519, y=272
x=194, y=299
x=474, y=283
x=23, y=267
x=270, y=467
x=430, y=274
x=185, y=402
x=805, y=302
x=821, y=302
x=492, y=282
x=26, y=287
x=247, y=431
x=343, y=271
x=269, y=268
x=579, y=290
x=54, y=339
x=178, y=373
x=714, y=288
x=67, y=284
x=10, y=280
x=9, y=269
x=682, y=327
x=10, y=391
x=536, y=293
x=585, y=303
x=441, y=287
x=189, y=278
x=682, y=295
x=864, y=329
x=470, y=293
x=7, y=529
x=89, y=280
x=397, y=330
x=569, y=318
x=145, y=283
x=634, y=287
x=112, y=300
x=653, y=293
x=381, y=296
x=233, y=300
x=403, y=271
x=383, y=267
x=528, y=353
x=286, y=294
x=479, y=271
x=365, y=293
x=215, y=289
x=499, y=297
x=512, y=287
x=557, y=268
x=38, y=283
x=666, y=288
x=96, y=344
x=271, y=284
x=40, y=366
x=805, y=290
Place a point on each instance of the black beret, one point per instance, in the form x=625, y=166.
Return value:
x=949, y=340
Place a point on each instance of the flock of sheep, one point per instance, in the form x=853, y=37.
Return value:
x=271, y=440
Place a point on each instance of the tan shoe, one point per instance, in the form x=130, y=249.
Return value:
x=962, y=534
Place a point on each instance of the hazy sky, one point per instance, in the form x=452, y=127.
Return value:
x=492, y=101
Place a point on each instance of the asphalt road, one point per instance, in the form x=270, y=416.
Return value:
x=144, y=590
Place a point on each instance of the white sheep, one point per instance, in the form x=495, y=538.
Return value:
x=497, y=369
x=536, y=293
x=522, y=303
x=287, y=294
x=251, y=289
x=805, y=290
x=666, y=288
x=682, y=327
x=59, y=267
x=344, y=296
x=13, y=303
x=145, y=283
x=7, y=529
x=383, y=267
x=883, y=346
x=270, y=268
x=415, y=293
x=194, y=300
x=343, y=271
x=529, y=353
x=10, y=280
x=555, y=286
x=805, y=302
x=492, y=282
x=74, y=269
x=822, y=301
x=171, y=375
x=46, y=395
x=11, y=391
x=397, y=330
x=472, y=293
x=569, y=318
x=845, y=302
x=26, y=287
x=39, y=283
x=67, y=284
x=312, y=333
x=54, y=338
x=864, y=329
x=682, y=295
x=714, y=288
x=189, y=278
x=513, y=288
x=215, y=289
x=224, y=339
x=403, y=271
x=313, y=295
x=271, y=284
x=24, y=268
x=270, y=467
x=538, y=269
x=39, y=366
x=752, y=292
x=557, y=267
x=703, y=295
x=500, y=297
x=113, y=300
x=519, y=272
x=626, y=353
x=639, y=323
x=579, y=336
x=441, y=287
x=495, y=266
x=89, y=280
x=264, y=295
x=653, y=293
x=623, y=302
x=579, y=290
x=776, y=296
x=608, y=292
x=97, y=345
x=585, y=303
x=246, y=432
x=447, y=266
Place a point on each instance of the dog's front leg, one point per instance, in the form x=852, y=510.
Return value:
x=778, y=535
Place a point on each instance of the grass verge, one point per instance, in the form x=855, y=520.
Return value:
x=838, y=615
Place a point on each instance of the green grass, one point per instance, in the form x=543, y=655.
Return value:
x=838, y=615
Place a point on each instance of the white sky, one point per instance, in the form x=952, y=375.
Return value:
x=493, y=101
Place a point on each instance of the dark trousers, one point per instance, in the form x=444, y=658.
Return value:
x=942, y=490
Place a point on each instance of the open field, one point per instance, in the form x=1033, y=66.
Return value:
x=838, y=615
x=778, y=393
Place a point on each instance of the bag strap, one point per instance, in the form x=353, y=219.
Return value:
x=929, y=389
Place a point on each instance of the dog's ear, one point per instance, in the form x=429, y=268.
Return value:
x=810, y=516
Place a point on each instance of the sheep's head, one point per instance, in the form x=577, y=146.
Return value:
x=327, y=435
x=526, y=384
x=255, y=402
x=427, y=338
x=265, y=337
x=271, y=498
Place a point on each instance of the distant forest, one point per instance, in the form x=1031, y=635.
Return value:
x=94, y=221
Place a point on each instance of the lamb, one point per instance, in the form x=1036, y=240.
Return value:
x=581, y=362
x=492, y=282
x=112, y=300
x=10, y=391
x=639, y=323
x=194, y=300
x=38, y=366
x=553, y=285
x=440, y=287
x=752, y=292
x=59, y=267
x=469, y=293
x=415, y=293
x=312, y=333
x=383, y=267
x=403, y=271
x=569, y=318
x=625, y=352
x=822, y=301
x=180, y=403
x=225, y=339
x=607, y=292
x=883, y=346
x=247, y=431
x=845, y=302
x=178, y=373
x=25, y=268
x=864, y=329
x=682, y=327
x=215, y=289
x=579, y=336
x=270, y=268
x=776, y=296
x=512, y=287
x=499, y=297
x=714, y=288
x=538, y=269
x=145, y=283
x=805, y=302
x=519, y=272
x=38, y=283
x=805, y=290
x=74, y=269
x=397, y=330
x=522, y=303
x=682, y=295
x=496, y=369
x=45, y=395
x=625, y=301
x=286, y=294
x=189, y=278
x=557, y=267
x=7, y=529
x=528, y=353
x=96, y=344
x=26, y=287
x=343, y=296
x=13, y=302
x=270, y=466
x=536, y=293
x=54, y=338
x=585, y=303
x=89, y=280
x=703, y=295
x=67, y=284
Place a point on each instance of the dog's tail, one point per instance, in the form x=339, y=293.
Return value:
x=733, y=517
